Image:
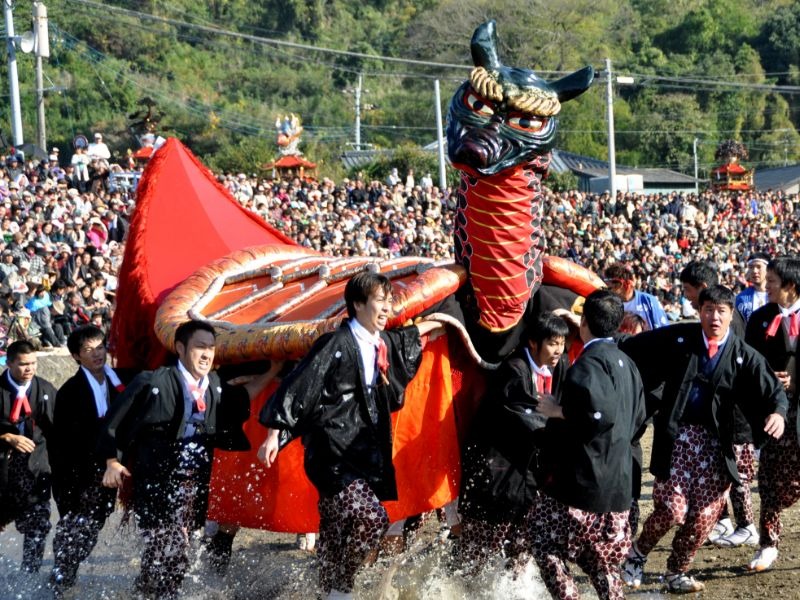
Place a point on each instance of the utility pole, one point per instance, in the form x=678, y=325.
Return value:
x=13, y=80
x=42, y=50
x=440, y=136
x=696, y=182
x=358, y=113
x=612, y=158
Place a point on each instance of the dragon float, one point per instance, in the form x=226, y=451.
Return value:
x=194, y=253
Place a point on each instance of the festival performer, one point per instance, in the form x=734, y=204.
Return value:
x=698, y=275
x=754, y=296
x=500, y=458
x=339, y=399
x=79, y=417
x=165, y=427
x=710, y=377
x=773, y=331
x=695, y=277
x=27, y=411
x=621, y=280
x=587, y=475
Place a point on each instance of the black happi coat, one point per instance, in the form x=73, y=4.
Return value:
x=145, y=428
x=501, y=456
x=41, y=396
x=742, y=386
x=325, y=401
x=590, y=462
x=775, y=348
x=72, y=443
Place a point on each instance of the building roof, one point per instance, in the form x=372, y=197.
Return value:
x=593, y=167
x=357, y=158
x=777, y=178
x=291, y=161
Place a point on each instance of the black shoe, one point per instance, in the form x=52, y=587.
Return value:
x=60, y=581
x=32, y=554
x=220, y=548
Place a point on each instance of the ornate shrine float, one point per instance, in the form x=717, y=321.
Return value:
x=731, y=175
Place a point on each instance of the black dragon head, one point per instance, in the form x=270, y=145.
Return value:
x=504, y=116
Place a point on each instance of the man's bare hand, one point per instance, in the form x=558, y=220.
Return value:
x=268, y=451
x=785, y=379
x=567, y=315
x=20, y=443
x=774, y=425
x=548, y=407
x=115, y=473
x=433, y=329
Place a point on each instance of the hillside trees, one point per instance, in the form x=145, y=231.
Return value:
x=221, y=95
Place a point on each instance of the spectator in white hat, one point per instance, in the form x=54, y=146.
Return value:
x=99, y=149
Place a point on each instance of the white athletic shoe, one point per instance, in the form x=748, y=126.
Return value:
x=743, y=536
x=633, y=568
x=311, y=541
x=723, y=528
x=681, y=583
x=763, y=559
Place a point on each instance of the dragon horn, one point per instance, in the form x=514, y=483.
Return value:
x=484, y=46
x=573, y=84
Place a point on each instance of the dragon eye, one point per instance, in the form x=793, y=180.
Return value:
x=477, y=104
x=530, y=123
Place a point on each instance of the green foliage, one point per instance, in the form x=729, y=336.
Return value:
x=222, y=94
x=402, y=158
x=561, y=182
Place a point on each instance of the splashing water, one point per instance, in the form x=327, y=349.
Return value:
x=270, y=566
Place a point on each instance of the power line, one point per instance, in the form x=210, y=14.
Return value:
x=644, y=79
x=271, y=41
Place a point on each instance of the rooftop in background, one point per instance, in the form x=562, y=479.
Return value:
x=786, y=179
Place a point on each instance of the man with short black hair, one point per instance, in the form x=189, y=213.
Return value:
x=164, y=428
x=774, y=330
x=709, y=378
x=26, y=410
x=587, y=480
x=501, y=455
x=621, y=280
x=79, y=417
x=339, y=399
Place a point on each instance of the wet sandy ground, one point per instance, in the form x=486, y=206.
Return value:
x=269, y=566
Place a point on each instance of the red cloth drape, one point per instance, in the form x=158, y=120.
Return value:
x=183, y=220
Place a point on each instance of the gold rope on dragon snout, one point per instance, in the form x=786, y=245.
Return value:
x=532, y=100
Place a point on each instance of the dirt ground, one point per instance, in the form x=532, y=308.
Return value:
x=269, y=566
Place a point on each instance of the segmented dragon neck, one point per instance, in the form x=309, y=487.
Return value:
x=498, y=239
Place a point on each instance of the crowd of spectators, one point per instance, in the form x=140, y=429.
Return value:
x=63, y=234
x=656, y=235
x=62, y=244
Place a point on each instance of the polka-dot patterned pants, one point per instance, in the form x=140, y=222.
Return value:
x=32, y=519
x=77, y=531
x=482, y=540
x=633, y=517
x=741, y=499
x=165, y=559
x=597, y=543
x=351, y=526
x=778, y=482
x=692, y=497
